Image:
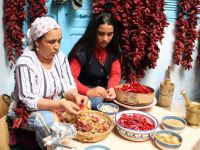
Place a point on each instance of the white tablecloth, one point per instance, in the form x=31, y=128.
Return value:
x=191, y=137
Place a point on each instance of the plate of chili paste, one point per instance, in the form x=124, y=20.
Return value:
x=137, y=107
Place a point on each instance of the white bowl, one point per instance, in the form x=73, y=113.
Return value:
x=174, y=123
x=136, y=135
x=166, y=146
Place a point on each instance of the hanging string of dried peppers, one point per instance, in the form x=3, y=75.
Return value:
x=143, y=26
x=198, y=56
x=186, y=33
x=13, y=19
x=37, y=9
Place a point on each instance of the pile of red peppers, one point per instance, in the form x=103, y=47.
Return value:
x=135, y=87
x=143, y=26
x=14, y=17
x=198, y=56
x=186, y=33
x=22, y=115
x=135, y=122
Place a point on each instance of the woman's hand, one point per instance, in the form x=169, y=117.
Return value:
x=111, y=94
x=97, y=92
x=69, y=107
x=81, y=100
x=74, y=96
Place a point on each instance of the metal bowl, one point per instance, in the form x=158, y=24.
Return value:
x=193, y=114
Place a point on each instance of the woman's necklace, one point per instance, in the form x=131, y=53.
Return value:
x=100, y=58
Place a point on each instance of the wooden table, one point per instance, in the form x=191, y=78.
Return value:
x=191, y=137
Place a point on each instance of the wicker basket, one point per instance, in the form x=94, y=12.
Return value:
x=91, y=138
x=136, y=99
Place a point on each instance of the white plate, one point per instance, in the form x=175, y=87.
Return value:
x=137, y=107
x=96, y=147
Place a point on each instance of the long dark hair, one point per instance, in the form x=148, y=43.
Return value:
x=88, y=41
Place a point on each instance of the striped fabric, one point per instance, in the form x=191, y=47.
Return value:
x=33, y=81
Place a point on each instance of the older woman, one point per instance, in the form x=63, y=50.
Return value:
x=43, y=80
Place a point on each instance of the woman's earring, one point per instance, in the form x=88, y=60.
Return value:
x=37, y=49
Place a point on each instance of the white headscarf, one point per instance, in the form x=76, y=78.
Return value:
x=39, y=27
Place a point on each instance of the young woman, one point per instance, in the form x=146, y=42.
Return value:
x=43, y=80
x=95, y=59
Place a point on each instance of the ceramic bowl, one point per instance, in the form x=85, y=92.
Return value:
x=136, y=135
x=108, y=108
x=161, y=142
x=174, y=123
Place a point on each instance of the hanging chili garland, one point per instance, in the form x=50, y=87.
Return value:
x=143, y=26
x=14, y=17
x=37, y=9
x=186, y=33
x=198, y=56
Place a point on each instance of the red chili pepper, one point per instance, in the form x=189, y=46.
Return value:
x=135, y=88
x=16, y=123
x=81, y=105
x=186, y=33
x=22, y=116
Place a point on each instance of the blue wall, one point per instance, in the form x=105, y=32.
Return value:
x=72, y=22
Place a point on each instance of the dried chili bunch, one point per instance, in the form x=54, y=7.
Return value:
x=198, y=56
x=186, y=33
x=143, y=26
x=14, y=16
x=36, y=9
x=21, y=116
